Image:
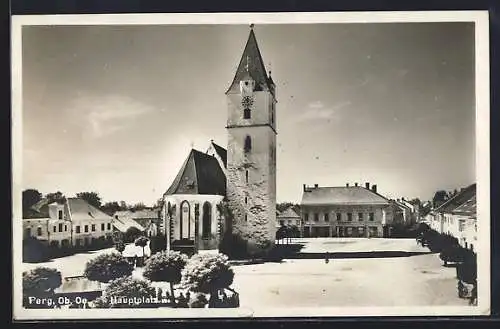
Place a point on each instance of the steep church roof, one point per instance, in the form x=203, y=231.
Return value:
x=221, y=152
x=200, y=174
x=251, y=63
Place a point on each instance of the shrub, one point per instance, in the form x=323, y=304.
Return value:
x=34, y=251
x=41, y=280
x=197, y=300
x=120, y=246
x=127, y=292
x=107, y=267
x=166, y=266
x=467, y=270
x=208, y=274
x=452, y=254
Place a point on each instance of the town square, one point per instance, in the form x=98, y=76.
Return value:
x=252, y=167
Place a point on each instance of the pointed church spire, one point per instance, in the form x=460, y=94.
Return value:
x=251, y=64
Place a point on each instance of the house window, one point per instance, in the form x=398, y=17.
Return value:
x=102, y=227
x=246, y=114
x=109, y=226
x=326, y=218
x=93, y=227
x=248, y=144
x=78, y=229
x=55, y=229
x=306, y=217
x=27, y=232
x=60, y=227
x=339, y=217
x=246, y=218
x=246, y=176
x=246, y=200
x=372, y=217
x=349, y=217
x=86, y=228
x=60, y=215
x=360, y=216
x=316, y=217
x=65, y=228
x=39, y=231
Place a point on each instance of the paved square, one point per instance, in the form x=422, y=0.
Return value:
x=362, y=272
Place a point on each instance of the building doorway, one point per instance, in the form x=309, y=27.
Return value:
x=206, y=228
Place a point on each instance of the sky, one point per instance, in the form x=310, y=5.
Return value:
x=116, y=109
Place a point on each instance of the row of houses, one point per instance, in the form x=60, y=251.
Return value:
x=73, y=222
x=457, y=217
x=348, y=211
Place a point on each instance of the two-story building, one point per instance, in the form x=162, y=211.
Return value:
x=69, y=223
x=288, y=217
x=345, y=211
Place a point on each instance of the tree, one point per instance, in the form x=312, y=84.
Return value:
x=138, y=206
x=91, y=197
x=127, y=292
x=282, y=206
x=439, y=198
x=141, y=241
x=55, y=197
x=120, y=246
x=110, y=208
x=40, y=283
x=107, y=267
x=166, y=266
x=30, y=197
x=207, y=273
x=131, y=234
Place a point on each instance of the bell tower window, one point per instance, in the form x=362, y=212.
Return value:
x=248, y=144
x=246, y=114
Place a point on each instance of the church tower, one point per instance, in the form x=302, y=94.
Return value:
x=251, y=151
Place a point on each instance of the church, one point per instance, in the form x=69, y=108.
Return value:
x=231, y=191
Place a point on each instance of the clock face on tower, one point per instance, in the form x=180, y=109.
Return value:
x=247, y=102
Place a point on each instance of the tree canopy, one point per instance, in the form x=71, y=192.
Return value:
x=207, y=273
x=55, y=197
x=127, y=287
x=107, y=267
x=30, y=198
x=41, y=280
x=92, y=198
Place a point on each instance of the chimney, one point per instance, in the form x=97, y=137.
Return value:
x=367, y=185
x=356, y=184
x=315, y=185
x=402, y=199
x=374, y=188
x=346, y=184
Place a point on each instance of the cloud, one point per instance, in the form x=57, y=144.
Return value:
x=106, y=114
x=317, y=111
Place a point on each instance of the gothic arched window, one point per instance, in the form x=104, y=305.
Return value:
x=207, y=220
x=248, y=143
x=247, y=114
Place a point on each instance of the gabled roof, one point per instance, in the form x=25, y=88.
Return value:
x=123, y=223
x=288, y=213
x=467, y=208
x=221, y=152
x=256, y=69
x=460, y=198
x=353, y=195
x=200, y=174
x=81, y=210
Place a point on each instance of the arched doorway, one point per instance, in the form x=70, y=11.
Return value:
x=206, y=228
x=185, y=227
